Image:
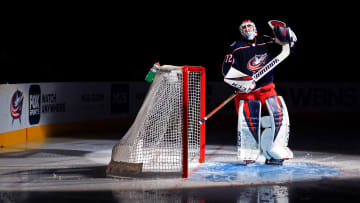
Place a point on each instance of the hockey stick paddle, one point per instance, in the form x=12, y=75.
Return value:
x=257, y=76
x=285, y=51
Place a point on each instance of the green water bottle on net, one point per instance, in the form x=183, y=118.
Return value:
x=151, y=74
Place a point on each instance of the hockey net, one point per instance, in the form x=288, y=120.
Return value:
x=166, y=134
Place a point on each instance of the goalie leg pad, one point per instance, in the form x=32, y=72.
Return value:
x=248, y=130
x=275, y=136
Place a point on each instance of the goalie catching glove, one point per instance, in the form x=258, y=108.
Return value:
x=239, y=80
x=282, y=33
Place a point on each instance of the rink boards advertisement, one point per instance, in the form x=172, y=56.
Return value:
x=24, y=106
x=27, y=105
x=27, y=110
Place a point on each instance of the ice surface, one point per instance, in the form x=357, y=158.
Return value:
x=79, y=165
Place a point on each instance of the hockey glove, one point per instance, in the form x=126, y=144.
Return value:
x=284, y=35
x=240, y=80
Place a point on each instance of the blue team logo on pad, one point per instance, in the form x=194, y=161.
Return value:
x=261, y=173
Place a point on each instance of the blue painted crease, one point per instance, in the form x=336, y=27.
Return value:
x=256, y=173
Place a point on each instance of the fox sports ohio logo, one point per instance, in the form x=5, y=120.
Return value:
x=16, y=105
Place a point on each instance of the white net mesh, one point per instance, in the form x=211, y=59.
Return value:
x=155, y=137
x=194, y=115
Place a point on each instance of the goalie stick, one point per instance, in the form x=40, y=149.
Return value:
x=219, y=107
x=285, y=51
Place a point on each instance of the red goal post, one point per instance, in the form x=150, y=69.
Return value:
x=186, y=113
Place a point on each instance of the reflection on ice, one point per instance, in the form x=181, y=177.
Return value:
x=273, y=193
x=254, y=194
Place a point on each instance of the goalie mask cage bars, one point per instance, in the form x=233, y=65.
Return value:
x=166, y=134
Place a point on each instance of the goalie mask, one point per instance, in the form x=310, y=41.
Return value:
x=248, y=30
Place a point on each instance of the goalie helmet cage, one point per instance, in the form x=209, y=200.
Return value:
x=166, y=134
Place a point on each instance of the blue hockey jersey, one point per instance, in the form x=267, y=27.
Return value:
x=250, y=56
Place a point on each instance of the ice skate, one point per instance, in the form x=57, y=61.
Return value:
x=278, y=162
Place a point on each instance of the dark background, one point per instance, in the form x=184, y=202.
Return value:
x=61, y=42
x=120, y=42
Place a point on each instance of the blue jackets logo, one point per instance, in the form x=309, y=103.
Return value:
x=257, y=62
x=16, y=105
